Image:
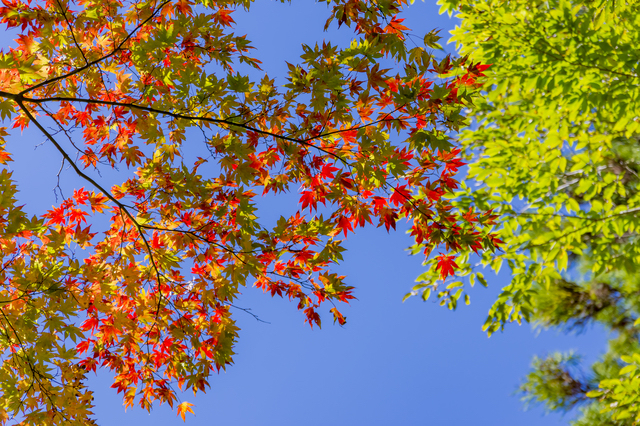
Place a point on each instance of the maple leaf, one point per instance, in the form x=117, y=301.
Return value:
x=308, y=199
x=395, y=26
x=328, y=170
x=389, y=219
x=344, y=224
x=183, y=408
x=21, y=121
x=469, y=216
x=446, y=265
x=5, y=157
x=337, y=316
x=77, y=216
x=56, y=216
x=400, y=195
x=224, y=16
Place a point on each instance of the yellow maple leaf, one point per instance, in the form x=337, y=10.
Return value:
x=183, y=408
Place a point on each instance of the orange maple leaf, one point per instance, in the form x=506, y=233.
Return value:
x=183, y=408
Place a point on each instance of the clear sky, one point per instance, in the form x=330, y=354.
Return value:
x=409, y=363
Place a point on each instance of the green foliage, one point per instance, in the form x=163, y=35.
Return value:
x=553, y=150
x=553, y=382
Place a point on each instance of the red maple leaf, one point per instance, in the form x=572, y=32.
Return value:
x=389, y=219
x=56, y=216
x=77, y=216
x=223, y=16
x=400, y=195
x=308, y=200
x=81, y=196
x=327, y=171
x=344, y=224
x=469, y=216
x=446, y=264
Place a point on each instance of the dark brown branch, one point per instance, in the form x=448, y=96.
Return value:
x=20, y=98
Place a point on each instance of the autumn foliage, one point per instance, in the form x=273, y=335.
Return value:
x=139, y=277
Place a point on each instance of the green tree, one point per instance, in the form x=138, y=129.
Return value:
x=554, y=151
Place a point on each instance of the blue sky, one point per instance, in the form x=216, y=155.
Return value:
x=409, y=363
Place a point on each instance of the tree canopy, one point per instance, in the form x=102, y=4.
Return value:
x=553, y=150
x=151, y=104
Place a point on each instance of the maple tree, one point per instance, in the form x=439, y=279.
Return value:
x=553, y=151
x=139, y=277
